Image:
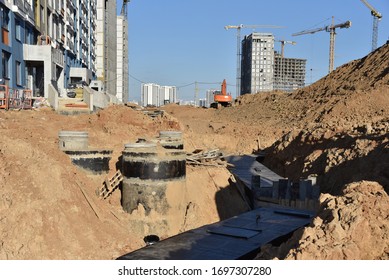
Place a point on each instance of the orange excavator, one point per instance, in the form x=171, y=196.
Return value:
x=222, y=98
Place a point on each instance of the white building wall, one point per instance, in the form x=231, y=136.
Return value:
x=122, y=91
x=168, y=94
x=258, y=57
x=150, y=95
x=106, y=56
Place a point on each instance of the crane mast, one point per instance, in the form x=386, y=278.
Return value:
x=238, y=47
x=283, y=42
x=376, y=18
x=331, y=29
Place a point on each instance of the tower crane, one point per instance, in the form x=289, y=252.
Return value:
x=331, y=29
x=238, y=51
x=376, y=18
x=283, y=42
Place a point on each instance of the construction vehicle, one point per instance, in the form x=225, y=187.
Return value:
x=377, y=16
x=221, y=97
x=331, y=29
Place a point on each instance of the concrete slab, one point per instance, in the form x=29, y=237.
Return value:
x=246, y=166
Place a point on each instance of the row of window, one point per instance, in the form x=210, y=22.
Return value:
x=5, y=63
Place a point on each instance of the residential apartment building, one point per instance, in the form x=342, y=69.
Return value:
x=150, y=94
x=156, y=95
x=122, y=86
x=17, y=29
x=257, y=63
x=47, y=44
x=168, y=94
x=263, y=69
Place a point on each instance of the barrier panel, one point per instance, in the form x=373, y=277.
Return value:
x=15, y=98
x=4, y=97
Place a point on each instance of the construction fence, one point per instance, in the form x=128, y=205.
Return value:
x=15, y=98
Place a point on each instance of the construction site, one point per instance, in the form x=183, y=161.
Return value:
x=95, y=185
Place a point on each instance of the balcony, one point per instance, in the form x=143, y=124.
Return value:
x=71, y=4
x=18, y=8
x=43, y=53
x=56, y=5
x=71, y=45
x=69, y=20
x=50, y=4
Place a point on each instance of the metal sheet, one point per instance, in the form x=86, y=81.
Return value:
x=239, y=237
x=233, y=231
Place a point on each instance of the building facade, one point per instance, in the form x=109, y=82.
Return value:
x=289, y=73
x=168, y=94
x=257, y=63
x=17, y=29
x=156, y=95
x=150, y=94
x=106, y=33
x=122, y=90
x=48, y=43
x=263, y=69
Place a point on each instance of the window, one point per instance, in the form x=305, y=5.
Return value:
x=18, y=73
x=5, y=18
x=4, y=26
x=5, y=64
x=18, y=30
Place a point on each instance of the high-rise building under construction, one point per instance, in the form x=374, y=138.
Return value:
x=257, y=63
x=289, y=73
x=262, y=69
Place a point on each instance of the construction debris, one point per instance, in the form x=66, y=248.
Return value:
x=110, y=185
x=207, y=158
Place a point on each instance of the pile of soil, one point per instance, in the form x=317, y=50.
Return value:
x=353, y=226
x=49, y=208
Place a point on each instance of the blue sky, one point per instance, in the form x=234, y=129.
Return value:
x=178, y=42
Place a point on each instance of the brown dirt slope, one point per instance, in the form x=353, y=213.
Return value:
x=48, y=207
x=353, y=226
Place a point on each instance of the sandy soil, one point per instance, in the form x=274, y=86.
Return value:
x=336, y=128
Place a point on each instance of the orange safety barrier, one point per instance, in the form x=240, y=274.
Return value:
x=15, y=98
x=4, y=97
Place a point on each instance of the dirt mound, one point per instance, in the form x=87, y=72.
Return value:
x=352, y=226
x=337, y=155
x=48, y=206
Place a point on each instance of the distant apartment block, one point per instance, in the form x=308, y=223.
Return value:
x=168, y=95
x=156, y=95
x=257, y=63
x=209, y=97
x=262, y=69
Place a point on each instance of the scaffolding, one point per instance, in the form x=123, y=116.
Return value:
x=289, y=73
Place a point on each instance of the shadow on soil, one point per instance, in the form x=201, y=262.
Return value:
x=358, y=165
